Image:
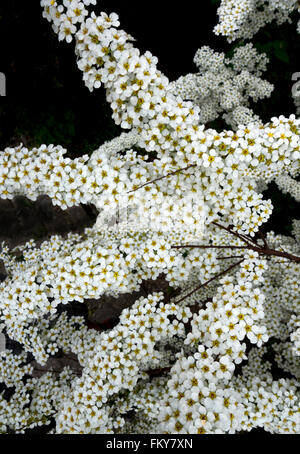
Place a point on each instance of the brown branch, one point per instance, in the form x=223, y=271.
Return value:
x=266, y=250
x=264, y=239
x=247, y=238
x=210, y=280
x=232, y=233
x=273, y=252
x=164, y=176
x=209, y=246
x=231, y=257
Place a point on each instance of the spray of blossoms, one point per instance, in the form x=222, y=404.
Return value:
x=191, y=363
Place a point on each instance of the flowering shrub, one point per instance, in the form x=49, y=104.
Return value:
x=244, y=18
x=225, y=84
x=198, y=362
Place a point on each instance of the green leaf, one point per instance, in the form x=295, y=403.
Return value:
x=277, y=48
x=282, y=55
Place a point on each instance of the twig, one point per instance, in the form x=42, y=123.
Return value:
x=233, y=233
x=261, y=250
x=164, y=176
x=209, y=246
x=231, y=257
x=247, y=238
x=264, y=239
x=210, y=280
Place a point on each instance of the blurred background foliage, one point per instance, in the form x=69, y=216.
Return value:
x=47, y=101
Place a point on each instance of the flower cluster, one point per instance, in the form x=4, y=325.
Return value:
x=34, y=400
x=119, y=359
x=220, y=179
x=192, y=214
x=74, y=268
x=223, y=167
x=296, y=230
x=295, y=335
x=67, y=16
x=214, y=338
x=289, y=185
x=225, y=84
x=244, y=18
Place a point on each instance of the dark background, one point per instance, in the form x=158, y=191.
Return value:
x=47, y=101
